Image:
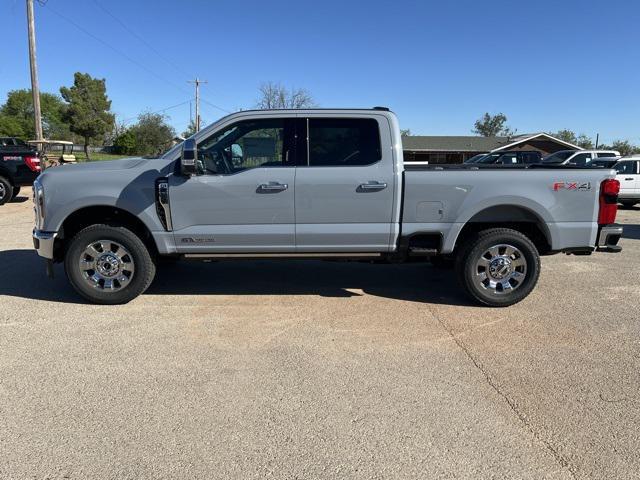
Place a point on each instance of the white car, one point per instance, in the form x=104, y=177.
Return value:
x=578, y=157
x=629, y=177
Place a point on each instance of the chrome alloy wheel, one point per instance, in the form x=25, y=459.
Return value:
x=3, y=191
x=501, y=269
x=106, y=265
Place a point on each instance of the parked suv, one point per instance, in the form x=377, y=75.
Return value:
x=629, y=177
x=581, y=158
x=19, y=166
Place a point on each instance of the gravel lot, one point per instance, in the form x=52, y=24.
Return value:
x=319, y=370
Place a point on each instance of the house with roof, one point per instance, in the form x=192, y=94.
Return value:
x=456, y=149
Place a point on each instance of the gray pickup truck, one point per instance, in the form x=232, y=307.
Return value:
x=321, y=184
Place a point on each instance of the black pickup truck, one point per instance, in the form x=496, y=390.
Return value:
x=19, y=166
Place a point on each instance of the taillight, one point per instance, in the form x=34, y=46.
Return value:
x=609, y=190
x=33, y=163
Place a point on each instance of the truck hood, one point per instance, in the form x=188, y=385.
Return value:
x=107, y=165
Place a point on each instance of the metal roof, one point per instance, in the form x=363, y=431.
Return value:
x=453, y=143
x=473, y=143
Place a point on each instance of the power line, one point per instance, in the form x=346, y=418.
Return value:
x=140, y=38
x=124, y=55
x=127, y=120
x=116, y=50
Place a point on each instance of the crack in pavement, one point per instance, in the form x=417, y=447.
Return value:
x=562, y=461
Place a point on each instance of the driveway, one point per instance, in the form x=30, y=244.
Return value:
x=310, y=369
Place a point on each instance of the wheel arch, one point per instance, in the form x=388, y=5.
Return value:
x=517, y=217
x=102, y=214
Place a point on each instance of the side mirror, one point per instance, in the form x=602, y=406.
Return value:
x=189, y=157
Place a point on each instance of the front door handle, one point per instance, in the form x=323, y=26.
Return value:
x=272, y=187
x=372, y=186
x=628, y=178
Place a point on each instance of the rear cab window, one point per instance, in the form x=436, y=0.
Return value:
x=342, y=142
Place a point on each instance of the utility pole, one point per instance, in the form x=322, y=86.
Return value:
x=197, y=83
x=35, y=87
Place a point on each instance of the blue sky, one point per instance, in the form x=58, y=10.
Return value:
x=439, y=65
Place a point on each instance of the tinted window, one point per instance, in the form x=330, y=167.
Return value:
x=244, y=145
x=530, y=157
x=628, y=168
x=581, y=159
x=558, y=157
x=606, y=154
x=343, y=142
x=508, y=159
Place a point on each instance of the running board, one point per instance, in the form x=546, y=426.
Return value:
x=282, y=255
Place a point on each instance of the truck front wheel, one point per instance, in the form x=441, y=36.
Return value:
x=108, y=264
x=498, y=267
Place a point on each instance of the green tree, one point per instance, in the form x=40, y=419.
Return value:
x=191, y=129
x=125, y=143
x=624, y=147
x=11, y=127
x=88, y=111
x=492, y=126
x=17, y=116
x=584, y=141
x=405, y=132
x=152, y=134
x=566, y=135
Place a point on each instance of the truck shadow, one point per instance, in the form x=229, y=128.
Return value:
x=22, y=275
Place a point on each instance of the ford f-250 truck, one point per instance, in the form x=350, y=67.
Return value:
x=316, y=183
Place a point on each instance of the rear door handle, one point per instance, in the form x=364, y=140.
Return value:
x=628, y=178
x=371, y=186
x=272, y=187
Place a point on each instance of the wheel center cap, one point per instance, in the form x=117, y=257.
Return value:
x=108, y=265
x=500, y=267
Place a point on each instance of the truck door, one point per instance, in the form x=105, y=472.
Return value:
x=629, y=178
x=242, y=199
x=345, y=185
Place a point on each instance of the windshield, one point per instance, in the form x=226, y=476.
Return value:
x=475, y=158
x=491, y=158
x=558, y=157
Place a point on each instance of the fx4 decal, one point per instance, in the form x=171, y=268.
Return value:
x=574, y=186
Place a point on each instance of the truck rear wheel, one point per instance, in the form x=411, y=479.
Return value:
x=6, y=190
x=498, y=267
x=108, y=264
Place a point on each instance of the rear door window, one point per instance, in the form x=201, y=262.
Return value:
x=343, y=142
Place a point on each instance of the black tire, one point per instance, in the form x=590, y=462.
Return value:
x=488, y=290
x=16, y=192
x=143, y=273
x=6, y=190
x=627, y=203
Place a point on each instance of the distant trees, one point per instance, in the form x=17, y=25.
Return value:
x=88, y=111
x=191, y=129
x=405, y=132
x=16, y=115
x=567, y=135
x=275, y=95
x=625, y=147
x=151, y=135
x=492, y=126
